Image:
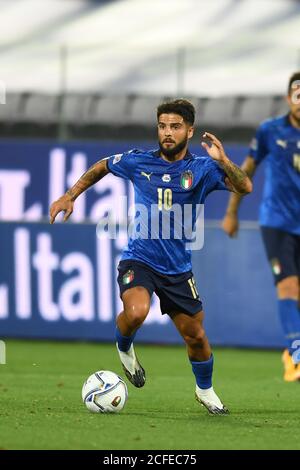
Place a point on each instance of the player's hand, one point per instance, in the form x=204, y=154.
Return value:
x=230, y=224
x=215, y=150
x=63, y=204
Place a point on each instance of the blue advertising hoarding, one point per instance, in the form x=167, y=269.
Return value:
x=60, y=281
x=33, y=174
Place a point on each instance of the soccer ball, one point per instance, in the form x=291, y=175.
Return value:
x=104, y=392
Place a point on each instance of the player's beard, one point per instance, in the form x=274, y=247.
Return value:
x=175, y=150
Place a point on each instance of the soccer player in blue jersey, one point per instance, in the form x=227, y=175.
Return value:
x=277, y=141
x=164, y=179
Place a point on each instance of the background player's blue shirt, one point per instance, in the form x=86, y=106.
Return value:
x=278, y=142
x=186, y=181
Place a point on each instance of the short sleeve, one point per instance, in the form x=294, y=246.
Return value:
x=122, y=164
x=258, y=146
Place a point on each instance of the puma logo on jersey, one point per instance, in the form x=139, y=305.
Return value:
x=148, y=175
x=281, y=143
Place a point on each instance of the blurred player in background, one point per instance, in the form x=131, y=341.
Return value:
x=278, y=142
x=164, y=178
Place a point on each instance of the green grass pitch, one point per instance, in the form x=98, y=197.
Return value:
x=41, y=408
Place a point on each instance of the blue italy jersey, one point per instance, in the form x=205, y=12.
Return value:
x=162, y=188
x=278, y=142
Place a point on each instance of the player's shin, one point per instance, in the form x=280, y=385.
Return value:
x=124, y=342
x=205, y=393
x=125, y=333
x=203, y=372
x=130, y=363
x=290, y=321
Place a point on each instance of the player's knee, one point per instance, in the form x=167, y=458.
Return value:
x=136, y=314
x=288, y=288
x=196, y=338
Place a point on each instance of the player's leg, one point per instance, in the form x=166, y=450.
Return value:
x=136, y=302
x=192, y=331
x=136, y=288
x=179, y=298
x=199, y=352
x=283, y=254
x=288, y=301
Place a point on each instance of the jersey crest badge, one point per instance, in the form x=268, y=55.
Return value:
x=166, y=178
x=186, y=179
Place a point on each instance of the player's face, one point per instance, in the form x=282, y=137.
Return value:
x=173, y=134
x=294, y=104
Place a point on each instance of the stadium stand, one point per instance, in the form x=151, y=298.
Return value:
x=241, y=57
x=127, y=116
x=255, y=109
x=11, y=111
x=40, y=109
x=75, y=109
x=141, y=110
x=69, y=75
x=217, y=111
x=280, y=105
x=109, y=110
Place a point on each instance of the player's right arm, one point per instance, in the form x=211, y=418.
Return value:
x=66, y=202
x=230, y=223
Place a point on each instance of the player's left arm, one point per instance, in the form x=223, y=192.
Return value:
x=236, y=180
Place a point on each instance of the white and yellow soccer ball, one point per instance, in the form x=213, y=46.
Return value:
x=104, y=392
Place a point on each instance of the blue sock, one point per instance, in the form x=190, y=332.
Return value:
x=290, y=321
x=124, y=342
x=203, y=372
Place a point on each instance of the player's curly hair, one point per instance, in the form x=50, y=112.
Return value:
x=180, y=106
x=295, y=77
